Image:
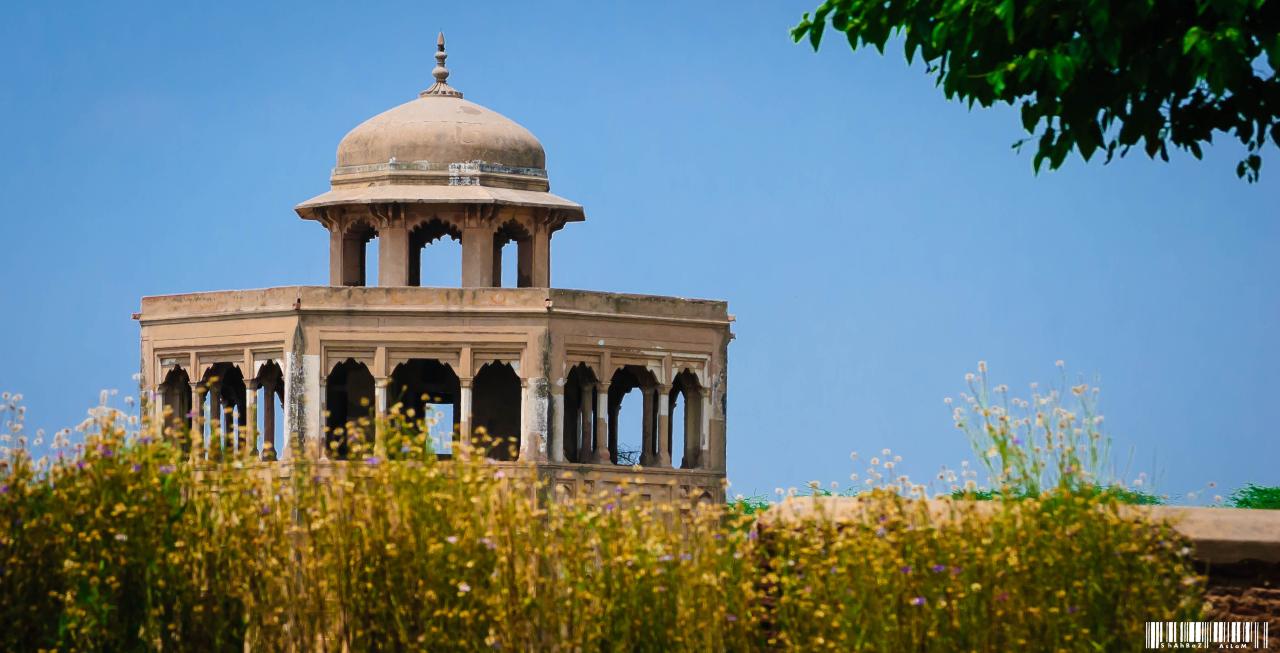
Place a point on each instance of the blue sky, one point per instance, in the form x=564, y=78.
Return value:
x=874, y=240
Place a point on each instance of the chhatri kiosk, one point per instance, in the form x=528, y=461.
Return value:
x=543, y=368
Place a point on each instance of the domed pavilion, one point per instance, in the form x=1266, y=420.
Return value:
x=282, y=371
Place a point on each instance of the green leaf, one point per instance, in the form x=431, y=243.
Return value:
x=1192, y=37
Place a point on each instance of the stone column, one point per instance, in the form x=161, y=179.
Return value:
x=556, y=444
x=477, y=256
x=322, y=436
x=533, y=415
x=269, y=422
x=541, y=273
x=380, y=415
x=524, y=263
x=704, y=430
x=648, y=437
x=216, y=428
x=497, y=263
x=157, y=411
x=464, y=410
x=664, y=425
x=393, y=255
x=251, y=417
x=353, y=261
x=197, y=421
x=602, y=455
x=335, y=256
x=585, y=440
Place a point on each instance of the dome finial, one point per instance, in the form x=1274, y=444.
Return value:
x=441, y=88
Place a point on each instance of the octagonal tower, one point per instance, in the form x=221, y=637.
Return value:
x=544, y=369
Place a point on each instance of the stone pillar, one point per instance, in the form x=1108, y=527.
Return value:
x=464, y=410
x=251, y=417
x=704, y=430
x=393, y=255
x=648, y=436
x=197, y=421
x=380, y=416
x=601, y=454
x=157, y=412
x=269, y=422
x=524, y=263
x=585, y=441
x=322, y=436
x=477, y=257
x=353, y=261
x=540, y=275
x=215, y=422
x=664, y=425
x=556, y=440
x=497, y=263
x=534, y=417
x=614, y=409
x=336, y=251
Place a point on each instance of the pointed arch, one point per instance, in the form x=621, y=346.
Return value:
x=496, y=407
x=579, y=413
x=430, y=389
x=639, y=445
x=426, y=233
x=512, y=231
x=684, y=434
x=349, y=408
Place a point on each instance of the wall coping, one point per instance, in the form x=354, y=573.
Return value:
x=1219, y=535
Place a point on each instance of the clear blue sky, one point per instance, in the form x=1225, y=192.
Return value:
x=874, y=240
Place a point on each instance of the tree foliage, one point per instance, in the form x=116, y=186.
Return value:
x=1092, y=75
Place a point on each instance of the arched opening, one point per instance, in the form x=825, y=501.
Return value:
x=270, y=402
x=512, y=266
x=442, y=265
x=634, y=444
x=348, y=403
x=427, y=392
x=579, y=413
x=175, y=398
x=227, y=417
x=684, y=433
x=496, y=408
x=358, y=267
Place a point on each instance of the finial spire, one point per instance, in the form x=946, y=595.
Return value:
x=441, y=88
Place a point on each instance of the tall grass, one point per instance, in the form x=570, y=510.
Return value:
x=121, y=544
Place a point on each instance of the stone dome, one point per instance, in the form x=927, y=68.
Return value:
x=439, y=129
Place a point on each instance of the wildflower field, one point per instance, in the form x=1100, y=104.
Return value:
x=120, y=544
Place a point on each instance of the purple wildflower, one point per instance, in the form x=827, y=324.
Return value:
x=4, y=489
x=665, y=558
x=608, y=507
x=80, y=464
x=372, y=460
x=1002, y=597
x=136, y=468
x=752, y=535
x=906, y=569
x=1071, y=609
x=919, y=600
x=686, y=556
x=730, y=617
x=955, y=571
x=880, y=532
x=937, y=569
x=105, y=451
x=166, y=469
